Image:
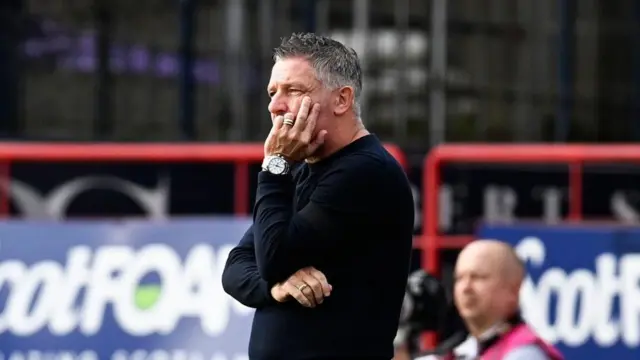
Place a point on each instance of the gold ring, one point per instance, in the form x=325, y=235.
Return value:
x=288, y=122
x=302, y=287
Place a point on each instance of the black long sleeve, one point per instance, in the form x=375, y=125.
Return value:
x=286, y=241
x=241, y=278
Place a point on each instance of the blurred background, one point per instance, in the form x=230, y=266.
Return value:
x=458, y=70
x=190, y=75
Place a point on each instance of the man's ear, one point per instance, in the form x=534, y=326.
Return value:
x=344, y=100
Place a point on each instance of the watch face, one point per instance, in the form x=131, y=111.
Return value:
x=277, y=166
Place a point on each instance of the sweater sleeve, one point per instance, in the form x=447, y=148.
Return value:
x=241, y=278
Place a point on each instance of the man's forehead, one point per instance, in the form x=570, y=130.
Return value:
x=475, y=264
x=488, y=262
x=477, y=259
x=291, y=70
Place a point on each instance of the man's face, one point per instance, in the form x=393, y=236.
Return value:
x=291, y=80
x=479, y=290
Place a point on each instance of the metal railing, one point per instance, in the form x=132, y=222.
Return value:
x=436, y=71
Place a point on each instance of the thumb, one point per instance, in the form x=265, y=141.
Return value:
x=317, y=142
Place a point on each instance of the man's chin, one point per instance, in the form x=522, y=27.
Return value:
x=469, y=313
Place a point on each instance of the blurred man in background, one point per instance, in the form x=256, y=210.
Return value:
x=488, y=276
x=330, y=201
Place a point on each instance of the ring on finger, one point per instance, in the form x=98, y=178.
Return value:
x=303, y=286
x=288, y=122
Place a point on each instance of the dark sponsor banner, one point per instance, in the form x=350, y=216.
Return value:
x=470, y=193
x=120, y=290
x=583, y=288
x=122, y=189
x=475, y=193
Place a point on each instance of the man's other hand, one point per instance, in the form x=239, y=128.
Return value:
x=307, y=286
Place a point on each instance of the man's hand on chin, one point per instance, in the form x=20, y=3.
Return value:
x=307, y=286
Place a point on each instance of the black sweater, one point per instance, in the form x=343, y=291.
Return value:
x=351, y=217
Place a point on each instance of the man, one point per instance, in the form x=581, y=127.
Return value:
x=326, y=260
x=488, y=276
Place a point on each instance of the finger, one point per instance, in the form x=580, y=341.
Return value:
x=311, y=122
x=276, y=125
x=289, y=120
x=316, y=287
x=303, y=113
x=326, y=287
x=297, y=294
x=277, y=122
x=308, y=293
x=316, y=143
x=304, y=288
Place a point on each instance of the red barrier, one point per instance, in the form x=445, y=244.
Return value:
x=240, y=154
x=572, y=155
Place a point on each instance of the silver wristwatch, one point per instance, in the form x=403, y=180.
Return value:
x=276, y=164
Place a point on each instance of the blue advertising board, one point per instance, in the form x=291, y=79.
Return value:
x=582, y=292
x=120, y=290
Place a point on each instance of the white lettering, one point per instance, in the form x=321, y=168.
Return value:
x=47, y=355
x=499, y=203
x=137, y=354
x=450, y=204
x=177, y=354
x=584, y=301
x=417, y=207
x=48, y=294
x=622, y=210
x=551, y=198
x=446, y=207
x=33, y=205
x=630, y=302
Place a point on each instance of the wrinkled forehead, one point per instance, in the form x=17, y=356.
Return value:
x=292, y=70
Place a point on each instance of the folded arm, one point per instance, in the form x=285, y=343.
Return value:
x=241, y=278
x=286, y=241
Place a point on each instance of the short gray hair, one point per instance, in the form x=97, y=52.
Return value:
x=335, y=64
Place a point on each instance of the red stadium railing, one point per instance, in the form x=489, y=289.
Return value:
x=572, y=155
x=241, y=155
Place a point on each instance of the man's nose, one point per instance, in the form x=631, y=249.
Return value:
x=465, y=284
x=277, y=106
